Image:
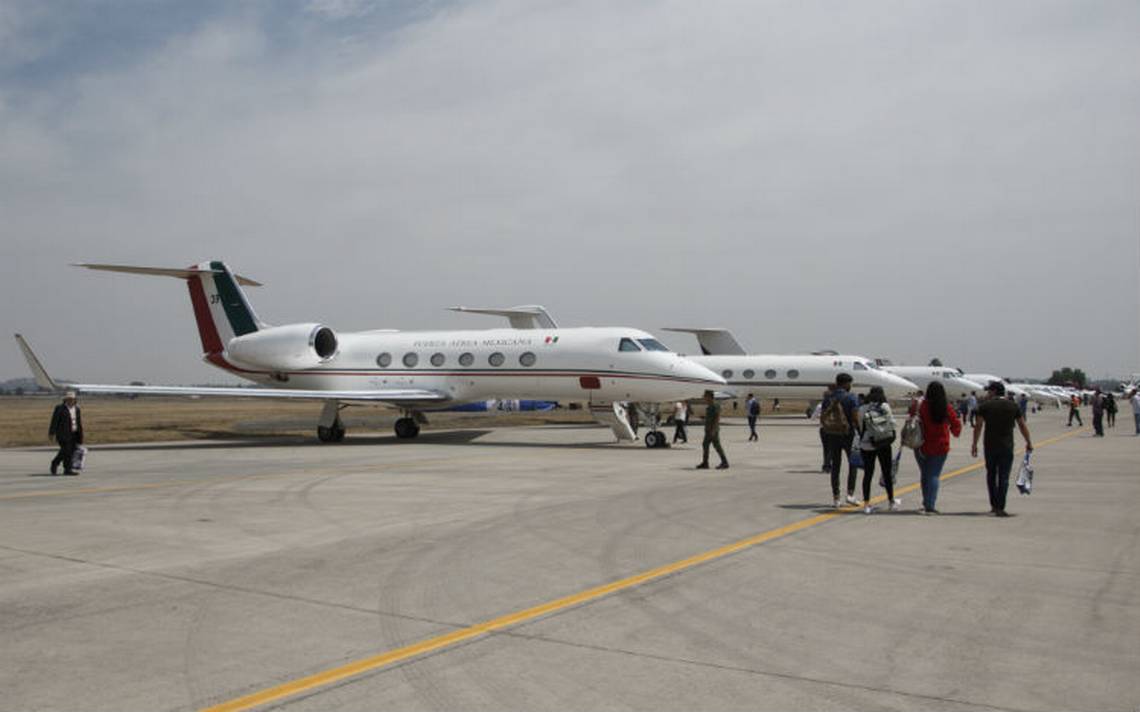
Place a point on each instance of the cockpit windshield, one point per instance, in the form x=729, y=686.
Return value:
x=628, y=345
x=653, y=345
x=858, y=366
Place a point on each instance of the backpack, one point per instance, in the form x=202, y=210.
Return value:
x=833, y=419
x=879, y=426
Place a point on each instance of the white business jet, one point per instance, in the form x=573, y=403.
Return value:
x=1010, y=389
x=415, y=371
x=957, y=386
x=789, y=376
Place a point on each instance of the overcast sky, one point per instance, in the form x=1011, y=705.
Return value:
x=899, y=179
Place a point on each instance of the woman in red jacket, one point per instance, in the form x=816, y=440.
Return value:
x=938, y=422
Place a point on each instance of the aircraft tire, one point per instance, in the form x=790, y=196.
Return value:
x=406, y=428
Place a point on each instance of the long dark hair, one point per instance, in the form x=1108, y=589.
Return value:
x=877, y=395
x=936, y=401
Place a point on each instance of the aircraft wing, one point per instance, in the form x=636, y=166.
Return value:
x=390, y=395
x=714, y=342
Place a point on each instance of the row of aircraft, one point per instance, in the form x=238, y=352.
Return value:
x=531, y=362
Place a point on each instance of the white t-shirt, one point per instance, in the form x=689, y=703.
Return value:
x=74, y=419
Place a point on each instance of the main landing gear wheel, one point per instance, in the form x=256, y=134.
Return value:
x=406, y=428
x=655, y=438
x=332, y=434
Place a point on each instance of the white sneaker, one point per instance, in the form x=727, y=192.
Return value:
x=838, y=503
x=895, y=504
x=851, y=499
x=868, y=509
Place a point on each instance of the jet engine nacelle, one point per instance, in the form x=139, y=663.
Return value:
x=285, y=348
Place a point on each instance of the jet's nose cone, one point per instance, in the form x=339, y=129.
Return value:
x=696, y=372
x=898, y=386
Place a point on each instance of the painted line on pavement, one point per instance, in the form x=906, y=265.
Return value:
x=309, y=683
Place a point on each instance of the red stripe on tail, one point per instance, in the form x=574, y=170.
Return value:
x=211, y=342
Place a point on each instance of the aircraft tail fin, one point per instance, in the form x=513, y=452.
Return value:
x=714, y=342
x=220, y=306
x=43, y=380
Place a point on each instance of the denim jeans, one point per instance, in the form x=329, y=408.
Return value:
x=1137, y=417
x=930, y=469
x=999, y=462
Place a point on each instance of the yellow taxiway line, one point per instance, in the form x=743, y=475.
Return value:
x=374, y=662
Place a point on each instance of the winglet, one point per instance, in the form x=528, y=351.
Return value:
x=714, y=342
x=527, y=316
x=43, y=380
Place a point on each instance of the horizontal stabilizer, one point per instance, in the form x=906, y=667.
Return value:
x=714, y=342
x=43, y=380
x=181, y=273
x=527, y=316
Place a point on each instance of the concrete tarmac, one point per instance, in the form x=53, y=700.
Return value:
x=181, y=576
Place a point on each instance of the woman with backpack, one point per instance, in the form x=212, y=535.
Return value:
x=938, y=421
x=876, y=436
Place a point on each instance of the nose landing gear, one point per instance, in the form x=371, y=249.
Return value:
x=331, y=434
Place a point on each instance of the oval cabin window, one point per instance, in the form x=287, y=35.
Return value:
x=496, y=359
x=727, y=373
x=527, y=359
x=466, y=359
x=770, y=373
x=749, y=374
x=438, y=359
x=384, y=360
x=411, y=359
x=793, y=373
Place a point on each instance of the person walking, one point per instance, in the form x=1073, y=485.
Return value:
x=1074, y=411
x=839, y=420
x=67, y=429
x=712, y=434
x=996, y=418
x=1022, y=403
x=1110, y=410
x=877, y=434
x=939, y=421
x=680, y=419
x=1098, y=413
x=816, y=414
x=1134, y=401
x=752, y=407
x=971, y=406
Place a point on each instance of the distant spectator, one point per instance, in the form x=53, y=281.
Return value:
x=680, y=420
x=1022, y=404
x=971, y=406
x=1074, y=411
x=1110, y=410
x=1098, y=413
x=1134, y=400
x=752, y=408
x=712, y=434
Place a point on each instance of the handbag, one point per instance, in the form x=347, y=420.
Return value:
x=912, y=435
x=1025, y=476
x=78, y=458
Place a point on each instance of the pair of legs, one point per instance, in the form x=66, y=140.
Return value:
x=1110, y=418
x=827, y=453
x=679, y=432
x=1098, y=424
x=883, y=455
x=752, y=429
x=837, y=446
x=999, y=462
x=65, y=456
x=930, y=469
x=713, y=440
x=1074, y=413
x=1137, y=417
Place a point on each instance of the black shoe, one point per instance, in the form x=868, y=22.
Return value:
x=1001, y=513
x=933, y=511
x=722, y=466
x=70, y=472
x=703, y=466
x=54, y=470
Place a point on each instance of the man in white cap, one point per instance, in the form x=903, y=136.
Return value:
x=67, y=429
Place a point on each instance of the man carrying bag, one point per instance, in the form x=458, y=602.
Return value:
x=67, y=429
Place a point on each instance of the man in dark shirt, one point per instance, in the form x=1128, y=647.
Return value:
x=67, y=429
x=839, y=441
x=996, y=416
x=712, y=434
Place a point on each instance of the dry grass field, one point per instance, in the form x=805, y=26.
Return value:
x=24, y=420
x=111, y=419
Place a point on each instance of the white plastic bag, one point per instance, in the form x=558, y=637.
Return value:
x=78, y=458
x=1025, y=476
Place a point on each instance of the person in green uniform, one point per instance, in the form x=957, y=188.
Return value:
x=712, y=434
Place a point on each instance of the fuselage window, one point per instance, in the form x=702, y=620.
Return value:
x=628, y=345
x=438, y=359
x=411, y=359
x=384, y=360
x=770, y=373
x=749, y=374
x=466, y=359
x=527, y=359
x=793, y=373
x=496, y=359
x=727, y=373
x=653, y=345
